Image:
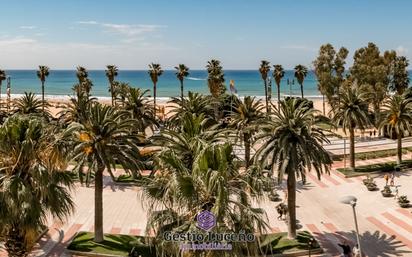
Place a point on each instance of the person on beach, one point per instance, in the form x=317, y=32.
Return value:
x=374, y=133
x=386, y=177
x=347, y=251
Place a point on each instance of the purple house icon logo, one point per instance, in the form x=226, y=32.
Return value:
x=206, y=220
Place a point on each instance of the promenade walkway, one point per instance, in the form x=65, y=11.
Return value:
x=386, y=229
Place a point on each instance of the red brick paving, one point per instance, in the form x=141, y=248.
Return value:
x=405, y=212
x=58, y=249
x=323, y=241
x=115, y=230
x=316, y=180
x=398, y=221
x=390, y=231
x=134, y=232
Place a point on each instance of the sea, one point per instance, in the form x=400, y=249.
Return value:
x=247, y=82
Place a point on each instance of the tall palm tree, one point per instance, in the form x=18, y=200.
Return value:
x=246, y=116
x=200, y=172
x=32, y=186
x=81, y=74
x=111, y=74
x=3, y=76
x=278, y=74
x=397, y=118
x=351, y=113
x=264, y=70
x=155, y=71
x=182, y=71
x=215, y=78
x=42, y=74
x=104, y=140
x=300, y=75
x=292, y=142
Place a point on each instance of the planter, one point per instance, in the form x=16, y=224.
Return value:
x=386, y=194
x=371, y=187
x=404, y=204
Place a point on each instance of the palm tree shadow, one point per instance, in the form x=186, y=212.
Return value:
x=300, y=186
x=109, y=183
x=373, y=244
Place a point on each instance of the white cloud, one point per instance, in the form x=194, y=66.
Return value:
x=400, y=50
x=131, y=32
x=26, y=53
x=87, y=22
x=28, y=27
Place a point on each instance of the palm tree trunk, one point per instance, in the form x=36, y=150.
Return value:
x=269, y=98
x=42, y=96
x=323, y=102
x=111, y=92
x=266, y=96
x=246, y=139
x=154, y=98
x=399, y=148
x=352, y=148
x=291, y=183
x=98, y=205
x=278, y=87
x=301, y=89
x=0, y=92
x=181, y=89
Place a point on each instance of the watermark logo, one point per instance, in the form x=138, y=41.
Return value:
x=206, y=220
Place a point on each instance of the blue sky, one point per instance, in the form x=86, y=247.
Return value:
x=131, y=34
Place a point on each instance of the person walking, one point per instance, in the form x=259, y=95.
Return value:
x=347, y=251
x=396, y=192
x=392, y=179
x=386, y=177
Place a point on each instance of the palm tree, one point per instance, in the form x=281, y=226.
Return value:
x=155, y=71
x=195, y=103
x=246, y=116
x=81, y=74
x=3, y=76
x=300, y=75
x=215, y=78
x=200, y=172
x=264, y=71
x=29, y=104
x=278, y=74
x=42, y=74
x=111, y=74
x=135, y=101
x=32, y=186
x=104, y=140
x=397, y=118
x=182, y=71
x=351, y=113
x=292, y=141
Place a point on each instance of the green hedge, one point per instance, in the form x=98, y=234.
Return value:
x=378, y=167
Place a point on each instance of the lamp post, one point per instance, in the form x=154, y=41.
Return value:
x=8, y=93
x=290, y=84
x=351, y=200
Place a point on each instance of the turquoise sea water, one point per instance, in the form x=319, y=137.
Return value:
x=247, y=82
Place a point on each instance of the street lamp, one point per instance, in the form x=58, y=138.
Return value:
x=290, y=83
x=351, y=200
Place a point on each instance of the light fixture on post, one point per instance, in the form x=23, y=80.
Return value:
x=351, y=200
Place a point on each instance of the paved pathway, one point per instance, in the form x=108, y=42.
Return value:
x=386, y=229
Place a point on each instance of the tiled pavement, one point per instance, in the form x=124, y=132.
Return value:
x=386, y=230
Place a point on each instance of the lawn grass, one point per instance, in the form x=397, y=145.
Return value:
x=113, y=244
x=279, y=243
x=121, y=245
x=378, y=167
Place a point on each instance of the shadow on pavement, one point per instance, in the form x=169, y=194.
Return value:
x=373, y=244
